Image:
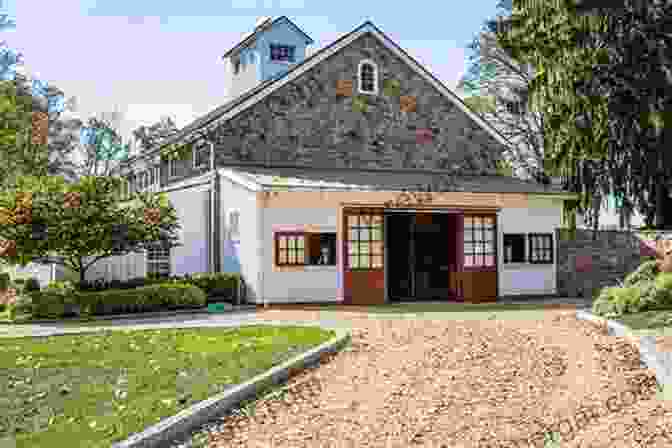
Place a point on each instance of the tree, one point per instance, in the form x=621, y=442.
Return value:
x=151, y=136
x=564, y=48
x=47, y=220
x=497, y=88
x=36, y=137
x=102, y=146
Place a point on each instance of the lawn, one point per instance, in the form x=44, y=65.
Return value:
x=93, y=389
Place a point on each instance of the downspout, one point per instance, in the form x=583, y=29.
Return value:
x=214, y=214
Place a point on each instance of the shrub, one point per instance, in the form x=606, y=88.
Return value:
x=627, y=300
x=647, y=271
x=56, y=300
x=31, y=284
x=21, y=305
x=5, y=280
x=141, y=299
x=604, y=304
x=221, y=284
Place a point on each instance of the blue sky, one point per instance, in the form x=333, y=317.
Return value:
x=146, y=58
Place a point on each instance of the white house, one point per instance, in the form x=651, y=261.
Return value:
x=309, y=183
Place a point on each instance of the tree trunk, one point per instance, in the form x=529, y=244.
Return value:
x=82, y=271
x=660, y=204
x=595, y=210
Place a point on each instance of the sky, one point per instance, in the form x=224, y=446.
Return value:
x=148, y=58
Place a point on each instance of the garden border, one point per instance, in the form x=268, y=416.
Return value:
x=195, y=416
x=659, y=361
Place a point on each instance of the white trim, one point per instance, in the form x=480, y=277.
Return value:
x=375, y=77
x=194, y=151
x=228, y=235
x=330, y=51
x=239, y=180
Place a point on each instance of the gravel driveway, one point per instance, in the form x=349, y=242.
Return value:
x=448, y=383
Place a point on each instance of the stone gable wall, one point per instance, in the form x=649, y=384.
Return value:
x=585, y=264
x=306, y=123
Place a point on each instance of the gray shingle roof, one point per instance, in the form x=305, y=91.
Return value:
x=390, y=180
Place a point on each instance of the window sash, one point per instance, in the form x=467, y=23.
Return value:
x=364, y=244
x=158, y=259
x=290, y=249
x=540, y=248
x=282, y=53
x=480, y=241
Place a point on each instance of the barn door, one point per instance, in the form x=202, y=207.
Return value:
x=364, y=279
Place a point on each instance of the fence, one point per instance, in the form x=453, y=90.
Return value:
x=587, y=261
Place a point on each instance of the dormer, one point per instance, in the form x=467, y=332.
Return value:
x=268, y=51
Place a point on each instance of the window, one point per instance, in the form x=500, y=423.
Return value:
x=365, y=241
x=514, y=248
x=321, y=249
x=302, y=249
x=158, y=259
x=234, y=225
x=173, y=168
x=283, y=53
x=201, y=156
x=290, y=249
x=479, y=241
x=368, y=77
x=236, y=66
x=541, y=248
x=514, y=107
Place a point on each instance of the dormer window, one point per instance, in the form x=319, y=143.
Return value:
x=282, y=53
x=367, y=75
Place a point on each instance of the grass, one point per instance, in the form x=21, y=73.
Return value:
x=93, y=389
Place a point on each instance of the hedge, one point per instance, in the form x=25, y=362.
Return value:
x=62, y=300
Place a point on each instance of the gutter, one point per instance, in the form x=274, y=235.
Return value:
x=214, y=214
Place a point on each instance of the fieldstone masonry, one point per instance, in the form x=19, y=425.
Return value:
x=306, y=122
x=585, y=264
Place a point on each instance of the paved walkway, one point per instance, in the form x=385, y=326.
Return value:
x=182, y=321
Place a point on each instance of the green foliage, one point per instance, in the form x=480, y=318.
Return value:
x=215, y=284
x=5, y=281
x=32, y=284
x=646, y=272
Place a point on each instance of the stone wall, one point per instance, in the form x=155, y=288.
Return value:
x=308, y=122
x=585, y=264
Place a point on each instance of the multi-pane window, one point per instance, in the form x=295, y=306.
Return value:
x=514, y=248
x=368, y=77
x=365, y=241
x=305, y=248
x=290, y=249
x=541, y=248
x=283, y=53
x=201, y=156
x=479, y=241
x=234, y=225
x=158, y=259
